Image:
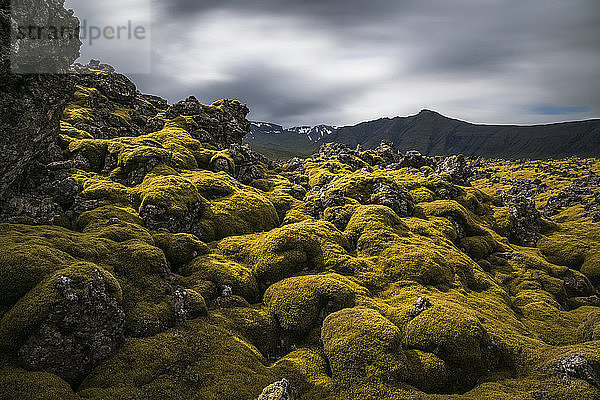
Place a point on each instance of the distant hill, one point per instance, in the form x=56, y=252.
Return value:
x=434, y=134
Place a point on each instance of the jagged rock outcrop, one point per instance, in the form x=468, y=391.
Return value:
x=576, y=366
x=32, y=97
x=220, y=124
x=575, y=194
x=107, y=104
x=527, y=188
x=528, y=224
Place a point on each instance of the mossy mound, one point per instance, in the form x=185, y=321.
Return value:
x=360, y=342
x=301, y=302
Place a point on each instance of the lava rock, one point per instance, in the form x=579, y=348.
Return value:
x=225, y=120
x=527, y=228
x=527, y=188
x=80, y=333
x=421, y=304
x=457, y=167
x=394, y=197
x=573, y=195
x=576, y=366
x=281, y=390
x=32, y=104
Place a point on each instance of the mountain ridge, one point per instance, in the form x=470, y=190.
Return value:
x=432, y=133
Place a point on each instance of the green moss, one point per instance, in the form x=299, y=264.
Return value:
x=18, y=384
x=298, y=303
x=255, y=325
x=123, y=113
x=502, y=220
x=120, y=232
x=211, y=185
x=478, y=247
x=563, y=250
x=591, y=265
x=82, y=94
x=171, y=192
x=283, y=252
x=427, y=372
x=422, y=195
x=374, y=218
x=452, y=209
x=74, y=113
x=219, y=272
x=456, y=335
x=360, y=342
x=102, y=215
x=181, y=363
x=70, y=131
x=179, y=248
x=93, y=150
x=26, y=315
x=23, y=265
x=97, y=187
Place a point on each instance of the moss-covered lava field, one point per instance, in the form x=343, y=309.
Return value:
x=160, y=259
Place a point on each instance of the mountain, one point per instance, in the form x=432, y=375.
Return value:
x=276, y=142
x=434, y=134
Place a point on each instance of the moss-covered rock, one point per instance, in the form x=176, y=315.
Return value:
x=67, y=324
x=179, y=248
x=361, y=343
x=301, y=302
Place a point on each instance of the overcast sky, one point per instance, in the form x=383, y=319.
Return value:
x=344, y=61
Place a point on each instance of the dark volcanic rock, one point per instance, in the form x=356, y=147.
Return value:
x=415, y=159
x=573, y=195
x=528, y=220
x=281, y=390
x=249, y=165
x=158, y=217
x=80, y=332
x=394, y=197
x=31, y=105
x=420, y=305
x=576, y=366
x=118, y=109
x=527, y=188
x=225, y=120
x=457, y=168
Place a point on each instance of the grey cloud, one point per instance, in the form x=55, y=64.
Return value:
x=492, y=61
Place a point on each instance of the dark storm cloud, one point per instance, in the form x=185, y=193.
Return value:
x=340, y=61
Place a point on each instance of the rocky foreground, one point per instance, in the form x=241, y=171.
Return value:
x=152, y=256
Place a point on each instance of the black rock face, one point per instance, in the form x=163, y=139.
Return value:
x=31, y=105
x=574, y=195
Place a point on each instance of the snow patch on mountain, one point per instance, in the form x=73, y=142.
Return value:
x=313, y=133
